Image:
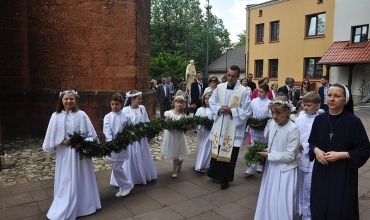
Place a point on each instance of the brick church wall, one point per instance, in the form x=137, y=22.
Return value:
x=95, y=47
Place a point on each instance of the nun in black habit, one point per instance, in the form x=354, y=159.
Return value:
x=340, y=146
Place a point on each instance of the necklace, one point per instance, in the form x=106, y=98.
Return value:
x=332, y=128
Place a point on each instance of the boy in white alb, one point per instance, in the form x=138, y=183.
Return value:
x=311, y=104
x=259, y=107
x=113, y=124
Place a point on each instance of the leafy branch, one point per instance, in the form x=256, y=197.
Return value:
x=252, y=156
x=131, y=133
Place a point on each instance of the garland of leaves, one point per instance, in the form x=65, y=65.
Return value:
x=252, y=156
x=131, y=133
x=258, y=124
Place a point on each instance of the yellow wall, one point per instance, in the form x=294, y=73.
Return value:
x=293, y=46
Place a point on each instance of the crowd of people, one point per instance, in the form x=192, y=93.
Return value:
x=312, y=159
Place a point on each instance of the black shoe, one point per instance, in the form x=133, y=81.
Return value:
x=224, y=185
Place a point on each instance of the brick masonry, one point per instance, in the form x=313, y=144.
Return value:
x=93, y=46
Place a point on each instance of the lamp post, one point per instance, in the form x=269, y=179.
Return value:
x=207, y=7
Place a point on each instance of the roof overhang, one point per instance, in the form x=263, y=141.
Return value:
x=343, y=53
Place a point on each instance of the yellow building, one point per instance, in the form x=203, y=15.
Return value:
x=288, y=38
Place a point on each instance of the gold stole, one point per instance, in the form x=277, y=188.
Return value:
x=229, y=128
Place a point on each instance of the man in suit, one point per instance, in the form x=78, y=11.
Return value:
x=323, y=91
x=163, y=96
x=250, y=83
x=170, y=85
x=197, y=90
x=287, y=88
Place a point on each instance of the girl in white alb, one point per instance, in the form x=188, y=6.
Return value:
x=203, y=145
x=75, y=189
x=140, y=166
x=278, y=196
x=173, y=143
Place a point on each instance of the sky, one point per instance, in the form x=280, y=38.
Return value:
x=232, y=13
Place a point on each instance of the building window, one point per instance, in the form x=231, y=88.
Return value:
x=360, y=34
x=320, y=1
x=260, y=13
x=259, y=68
x=273, y=67
x=313, y=70
x=260, y=32
x=274, y=30
x=316, y=24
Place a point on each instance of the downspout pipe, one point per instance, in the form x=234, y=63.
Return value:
x=248, y=36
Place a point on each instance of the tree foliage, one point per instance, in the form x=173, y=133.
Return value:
x=167, y=64
x=242, y=39
x=179, y=27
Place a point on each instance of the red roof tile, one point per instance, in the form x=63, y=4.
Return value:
x=343, y=52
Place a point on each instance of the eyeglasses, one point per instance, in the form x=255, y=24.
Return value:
x=334, y=96
x=213, y=80
x=306, y=83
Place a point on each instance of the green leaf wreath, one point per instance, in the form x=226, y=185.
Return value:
x=131, y=133
x=258, y=124
x=252, y=156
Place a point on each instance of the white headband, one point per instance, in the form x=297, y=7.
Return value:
x=68, y=91
x=288, y=104
x=129, y=95
x=347, y=92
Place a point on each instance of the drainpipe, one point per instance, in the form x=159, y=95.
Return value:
x=248, y=35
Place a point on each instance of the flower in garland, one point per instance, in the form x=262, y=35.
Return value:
x=252, y=156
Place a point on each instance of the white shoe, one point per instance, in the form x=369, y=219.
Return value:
x=126, y=191
x=119, y=193
x=204, y=170
x=300, y=213
x=249, y=171
x=259, y=168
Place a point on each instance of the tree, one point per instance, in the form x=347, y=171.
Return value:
x=167, y=64
x=179, y=26
x=242, y=39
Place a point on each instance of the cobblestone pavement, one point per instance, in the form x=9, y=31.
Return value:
x=25, y=161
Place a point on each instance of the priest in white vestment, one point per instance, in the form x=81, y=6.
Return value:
x=230, y=103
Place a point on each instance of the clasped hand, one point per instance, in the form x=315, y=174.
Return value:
x=66, y=142
x=325, y=158
x=225, y=109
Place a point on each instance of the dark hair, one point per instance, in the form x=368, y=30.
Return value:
x=130, y=98
x=235, y=67
x=182, y=84
x=242, y=80
x=116, y=97
x=60, y=106
x=261, y=80
x=325, y=77
x=203, y=98
x=224, y=77
x=308, y=88
x=265, y=87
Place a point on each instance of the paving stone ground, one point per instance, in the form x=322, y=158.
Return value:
x=26, y=187
x=25, y=161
